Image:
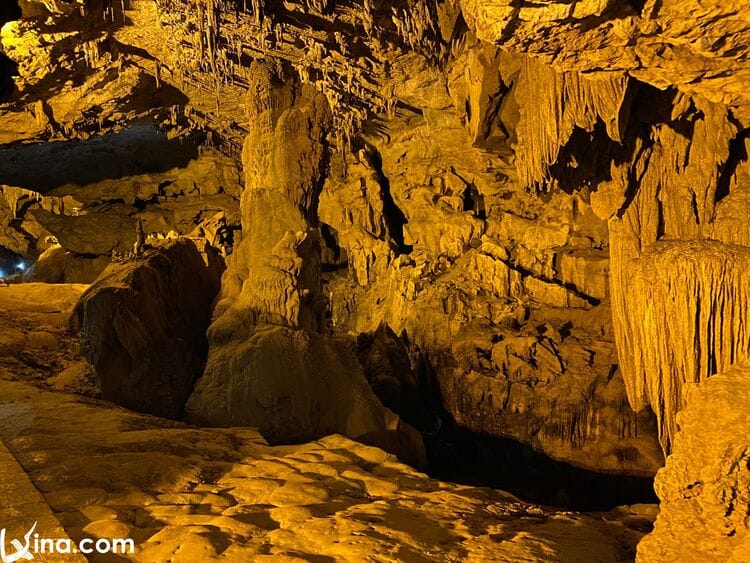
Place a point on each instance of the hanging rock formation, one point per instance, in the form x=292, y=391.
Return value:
x=687, y=309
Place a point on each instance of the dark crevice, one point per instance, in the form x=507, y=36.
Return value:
x=474, y=201
x=8, y=69
x=593, y=301
x=394, y=217
x=737, y=155
x=461, y=456
x=585, y=160
x=637, y=5
x=9, y=11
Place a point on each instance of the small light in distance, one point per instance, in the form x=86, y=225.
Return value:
x=21, y=266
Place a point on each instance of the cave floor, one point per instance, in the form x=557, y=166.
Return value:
x=192, y=494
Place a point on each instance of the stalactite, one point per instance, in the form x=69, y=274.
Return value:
x=561, y=102
x=687, y=310
x=14, y=196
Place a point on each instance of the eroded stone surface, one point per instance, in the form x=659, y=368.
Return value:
x=142, y=326
x=704, y=487
x=184, y=493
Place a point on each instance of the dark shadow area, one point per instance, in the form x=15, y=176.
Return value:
x=9, y=11
x=394, y=217
x=8, y=69
x=586, y=158
x=142, y=149
x=637, y=5
x=461, y=456
x=9, y=263
x=737, y=155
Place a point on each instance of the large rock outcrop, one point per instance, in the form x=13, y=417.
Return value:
x=272, y=363
x=142, y=326
x=705, y=486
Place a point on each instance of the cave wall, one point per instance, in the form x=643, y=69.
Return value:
x=676, y=173
x=500, y=184
x=704, y=486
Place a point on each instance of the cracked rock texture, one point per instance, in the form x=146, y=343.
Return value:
x=705, y=486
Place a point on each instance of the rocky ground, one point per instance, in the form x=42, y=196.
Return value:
x=188, y=494
x=523, y=220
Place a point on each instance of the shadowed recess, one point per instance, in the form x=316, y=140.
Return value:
x=141, y=149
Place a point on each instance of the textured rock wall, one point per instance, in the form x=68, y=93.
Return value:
x=665, y=166
x=705, y=486
x=486, y=178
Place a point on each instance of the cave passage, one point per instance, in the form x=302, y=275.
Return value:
x=141, y=149
x=461, y=456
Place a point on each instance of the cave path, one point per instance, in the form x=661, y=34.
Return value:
x=184, y=493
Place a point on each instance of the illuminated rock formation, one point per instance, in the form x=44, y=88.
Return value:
x=687, y=306
x=525, y=222
x=142, y=327
x=271, y=362
x=704, y=487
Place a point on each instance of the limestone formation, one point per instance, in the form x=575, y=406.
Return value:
x=705, y=486
x=686, y=340
x=443, y=226
x=142, y=323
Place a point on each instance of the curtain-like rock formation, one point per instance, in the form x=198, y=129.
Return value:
x=688, y=304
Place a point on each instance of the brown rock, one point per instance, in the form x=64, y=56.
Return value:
x=142, y=326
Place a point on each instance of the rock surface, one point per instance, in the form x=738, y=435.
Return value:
x=705, y=486
x=184, y=493
x=546, y=201
x=686, y=340
x=142, y=327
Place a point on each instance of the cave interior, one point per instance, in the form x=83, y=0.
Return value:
x=343, y=280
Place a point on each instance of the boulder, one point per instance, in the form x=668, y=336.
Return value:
x=143, y=326
x=94, y=234
x=56, y=265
